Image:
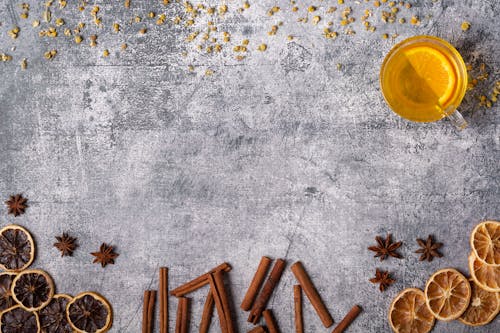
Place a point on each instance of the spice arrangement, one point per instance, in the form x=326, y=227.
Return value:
x=448, y=294
x=255, y=301
x=28, y=302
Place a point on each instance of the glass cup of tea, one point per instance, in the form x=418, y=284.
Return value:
x=424, y=79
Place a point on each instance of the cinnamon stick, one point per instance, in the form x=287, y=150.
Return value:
x=311, y=293
x=178, y=317
x=221, y=289
x=185, y=314
x=199, y=282
x=266, y=292
x=145, y=307
x=182, y=319
x=256, y=283
x=163, y=300
x=272, y=326
x=208, y=310
x=297, y=301
x=258, y=329
x=151, y=310
x=348, y=319
x=221, y=302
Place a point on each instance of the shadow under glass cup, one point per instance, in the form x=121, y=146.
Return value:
x=424, y=79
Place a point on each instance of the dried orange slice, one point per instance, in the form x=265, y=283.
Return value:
x=16, y=319
x=485, y=242
x=53, y=316
x=89, y=312
x=447, y=294
x=483, y=308
x=409, y=313
x=17, y=249
x=6, y=300
x=485, y=276
x=32, y=289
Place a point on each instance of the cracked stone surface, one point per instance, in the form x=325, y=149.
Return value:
x=281, y=154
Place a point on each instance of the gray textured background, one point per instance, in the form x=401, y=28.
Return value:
x=280, y=155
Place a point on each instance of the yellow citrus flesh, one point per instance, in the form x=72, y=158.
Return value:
x=432, y=76
x=409, y=313
x=485, y=242
x=486, y=276
x=483, y=308
x=447, y=294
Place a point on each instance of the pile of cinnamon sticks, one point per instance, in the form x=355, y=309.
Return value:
x=255, y=301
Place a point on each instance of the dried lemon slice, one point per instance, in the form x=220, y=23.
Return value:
x=486, y=276
x=485, y=242
x=53, y=316
x=483, y=308
x=409, y=313
x=32, y=289
x=89, y=312
x=17, y=249
x=16, y=319
x=447, y=294
x=6, y=300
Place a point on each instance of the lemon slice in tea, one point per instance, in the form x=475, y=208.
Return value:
x=447, y=294
x=483, y=308
x=432, y=76
x=485, y=242
x=409, y=313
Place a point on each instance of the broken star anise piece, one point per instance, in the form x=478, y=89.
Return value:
x=106, y=255
x=33, y=289
x=89, y=312
x=386, y=248
x=16, y=204
x=383, y=278
x=53, y=316
x=66, y=244
x=428, y=249
x=6, y=300
x=16, y=319
x=17, y=249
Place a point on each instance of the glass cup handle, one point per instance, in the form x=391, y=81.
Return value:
x=456, y=118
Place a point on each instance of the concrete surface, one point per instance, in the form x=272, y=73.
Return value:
x=280, y=155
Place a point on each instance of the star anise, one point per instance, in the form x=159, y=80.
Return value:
x=16, y=204
x=106, y=255
x=383, y=278
x=66, y=244
x=386, y=248
x=429, y=249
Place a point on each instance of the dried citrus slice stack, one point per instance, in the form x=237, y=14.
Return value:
x=409, y=313
x=32, y=289
x=89, y=312
x=16, y=319
x=485, y=276
x=447, y=294
x=17, y=249
x=53, y=316
x=485, y=242
x=483, y=307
